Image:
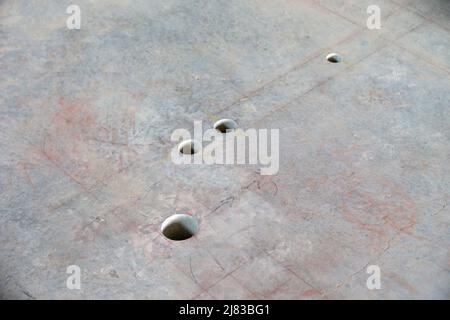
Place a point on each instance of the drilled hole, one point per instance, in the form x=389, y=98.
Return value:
x=179, y=227
x=334, y=58
x=225, y=125
x=188, y=147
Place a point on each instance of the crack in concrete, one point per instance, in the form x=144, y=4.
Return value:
x=441, y=209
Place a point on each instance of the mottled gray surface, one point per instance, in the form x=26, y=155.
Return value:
x=85, y=171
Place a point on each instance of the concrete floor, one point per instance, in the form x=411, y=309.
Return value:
x=86, y=178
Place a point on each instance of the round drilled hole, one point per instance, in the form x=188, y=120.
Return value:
x=225, y=125
x=334, y=58
x=188, y=147
x=179, y=227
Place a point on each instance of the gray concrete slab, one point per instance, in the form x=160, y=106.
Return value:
x=85, y=136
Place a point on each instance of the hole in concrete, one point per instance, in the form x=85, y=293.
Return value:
x=179, y=227
x=334, y=58
x=188, y=147
x=225, y=125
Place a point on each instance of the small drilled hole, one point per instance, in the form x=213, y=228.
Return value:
x=225, y=125
x=179, y=227
x=188, y=147
x=334, y=58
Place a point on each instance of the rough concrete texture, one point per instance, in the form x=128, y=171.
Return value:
x=86, y=177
